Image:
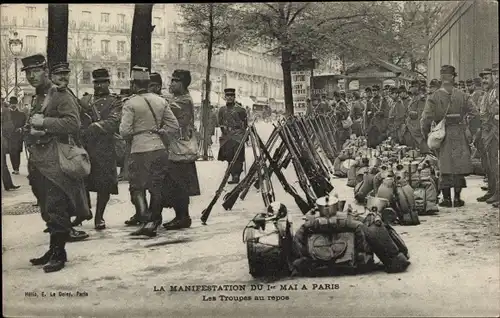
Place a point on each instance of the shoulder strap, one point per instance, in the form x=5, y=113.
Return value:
x=152, y=112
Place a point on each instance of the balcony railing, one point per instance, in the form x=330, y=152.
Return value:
x=32, y=22
x=85, y=25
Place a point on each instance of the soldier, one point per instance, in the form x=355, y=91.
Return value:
x=343, y=121
x=469, y=85
x=55, y=119
x=413, y=91
x=7, y=131
x=182, y=178
x=146, y=120
x=412, y=132
x=377, y=116
x=233, y=123
x=434, y=85
x=495, y=110
x=156, y=84
x=104, y=110
x=356, y=114
x=398, y=114
x=489, y=134
x=454, y=154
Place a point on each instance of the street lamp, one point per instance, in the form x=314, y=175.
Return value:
x=15, y=47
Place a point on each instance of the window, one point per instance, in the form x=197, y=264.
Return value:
x=121, y=74
x=87, y=45
x=157, y=22
x=180, y=51
x=31, y=12
x=86, y=77
x=120, y=47
x=31, y=43
x=86, y=16
x=104, y=17
x=121, y=20
x=157, y=51
x=104, y=46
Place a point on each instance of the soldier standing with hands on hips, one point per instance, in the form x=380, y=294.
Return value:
x=233, y=123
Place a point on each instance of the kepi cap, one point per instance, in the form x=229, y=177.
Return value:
x=101, y=74
x=229, y=91
x=477, y=81
x=139, y=73
x=485, y=71
x=156, y=78
x=60, y=67
x=469, y=82
x=33, y=61
x=434, y=83
x=376, y=87
x=448, y=69
x=184, y=76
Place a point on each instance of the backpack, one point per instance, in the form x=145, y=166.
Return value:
x=420, y=196
x=387, y=245
x=405, y=204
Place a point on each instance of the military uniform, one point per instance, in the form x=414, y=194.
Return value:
x=454, y=155
x=104, y=110
x=377, y=119
x=343, y=131
x=489, y=136
x=233, y=122
x=356, y=113
x=55, y=119
x=412, y=132
x=397, y=116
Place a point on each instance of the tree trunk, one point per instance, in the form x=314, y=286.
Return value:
x=286, y=65
x=206, y=102
x=57, y=35
x=140, y=50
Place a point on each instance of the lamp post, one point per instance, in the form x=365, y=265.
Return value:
x=15, y=47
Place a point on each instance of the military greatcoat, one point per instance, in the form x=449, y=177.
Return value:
x=105, y=113
x=234, y=119
x=454, y=155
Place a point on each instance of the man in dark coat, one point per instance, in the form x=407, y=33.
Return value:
x=55, y=119
x=7, y=128
x=356, y=113
x=182, y=177
x=411, y=131
x=454, y=154
x=123, y=164
x=489, y=134
x=434, y=85
x=16, y=139
x=377, y=118
x=397, y=115
x=104, y=110
x=343, y=120
x=233, y=122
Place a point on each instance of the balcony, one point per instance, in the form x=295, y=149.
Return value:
x=104, y=27
x=88, y=26
x=32, y=23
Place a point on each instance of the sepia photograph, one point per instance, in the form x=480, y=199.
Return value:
x=238, y=159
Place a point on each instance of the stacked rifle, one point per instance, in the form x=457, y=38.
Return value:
x=307, y=142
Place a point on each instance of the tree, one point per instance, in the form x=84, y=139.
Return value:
x=142, y=28
x=57, y=35
x=214, y=26
x=7, y=75
x=297, y=31
x=79, y=52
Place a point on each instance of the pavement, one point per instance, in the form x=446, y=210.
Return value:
x=454, y=267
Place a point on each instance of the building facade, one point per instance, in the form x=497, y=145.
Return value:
x=467, y=38
x=99, y=35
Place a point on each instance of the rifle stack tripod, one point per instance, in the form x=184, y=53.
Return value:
x=308, y=142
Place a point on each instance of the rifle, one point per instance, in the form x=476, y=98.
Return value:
x=303, y=205
x=231, y=197
x=206, y=213
x=266, y=192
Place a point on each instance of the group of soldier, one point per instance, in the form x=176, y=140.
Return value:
x=142, y=119
x=406, y=115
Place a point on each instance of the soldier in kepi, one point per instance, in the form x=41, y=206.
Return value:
x=146, y=120
x=54, y=120
x=412, y=132
x=454, y=154
x=397, y=115
x=104, y=110
x=122, y=162
x=489, y=132
x=376, y=118
x=233, y=123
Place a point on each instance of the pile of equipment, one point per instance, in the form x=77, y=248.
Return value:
x=404, y=178
x=331, y=241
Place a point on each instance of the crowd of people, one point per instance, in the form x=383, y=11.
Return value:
x=408, y=115
x=62, y=132
x=148, y=124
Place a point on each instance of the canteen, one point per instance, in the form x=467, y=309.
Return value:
x=376, y=204
x=386, y=189
x=328, y=205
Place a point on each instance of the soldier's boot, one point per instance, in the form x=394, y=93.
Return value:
x=45, y=257
x=235, y=179
x=102, y=202
x=446, y=202
x=141, y=206
x=138, y=199
x=490, y=191
x=494, y=198
x=183, y=220
x=154, y=220
x=495, y=204
x=59, y=256
x=457, y=201
x=75, y=236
